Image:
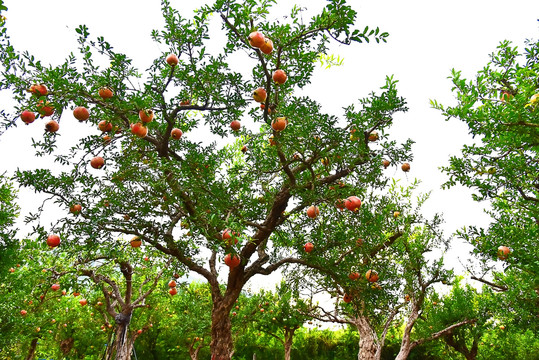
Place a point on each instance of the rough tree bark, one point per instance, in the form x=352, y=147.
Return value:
x=123, y=344
x=222, y=345
x=221, y=334
x=369, y=348
x=406, y=345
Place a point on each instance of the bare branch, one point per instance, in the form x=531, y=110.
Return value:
x=496, y=287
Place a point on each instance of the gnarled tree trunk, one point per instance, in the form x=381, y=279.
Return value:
x=221, y=344
x=369, y=348
x=123, y=344
x=406, y=344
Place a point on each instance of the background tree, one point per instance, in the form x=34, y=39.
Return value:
x=41, y=312
x=122, y=295
x=463, y=301
x=190, y=313
x=378, y=267
x=501, y=109
x=280, y=314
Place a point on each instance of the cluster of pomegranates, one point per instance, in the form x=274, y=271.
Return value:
x=172, y=288
x=257, y=40
x=44, y=108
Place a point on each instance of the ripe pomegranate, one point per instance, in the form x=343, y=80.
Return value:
x=232, y=260
x=176, y=134
x=104, y=126
x=39, y=90
x=145, y=116
x=279, y=76
x=313, y=211
x=53, y=241
x=386, y=163
x=172, y=283
x=353, y=276
x=105, y=93
x=230, y=237
x=135, y=242
x=352, y=203
x=45, y=108
x=279, y=124
x=81, y=113
x=235, y=125
x=172, y=60
x=267, y=46
x=347, y=298
x=172, y=291
x=503, y=252
x=139, y=130
x=256, y=39
x=372, y=276
x=308, y=247
x=97, y=162
x=260, y=95
x=405, y=167
x=506, y=96
x=75, y=208
x=52, y=126
x=28, y=117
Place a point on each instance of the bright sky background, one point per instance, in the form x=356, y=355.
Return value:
x=427, y=39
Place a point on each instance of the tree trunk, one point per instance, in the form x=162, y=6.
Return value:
x=221, y=335
x=288, y=340
x=406, y=344
x=369, y=349
x=405, y=348
x=32, y=349
x=123, y=344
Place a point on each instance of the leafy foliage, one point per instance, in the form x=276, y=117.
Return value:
x=501, y=110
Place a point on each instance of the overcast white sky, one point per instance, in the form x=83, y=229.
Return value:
x=427, y=39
